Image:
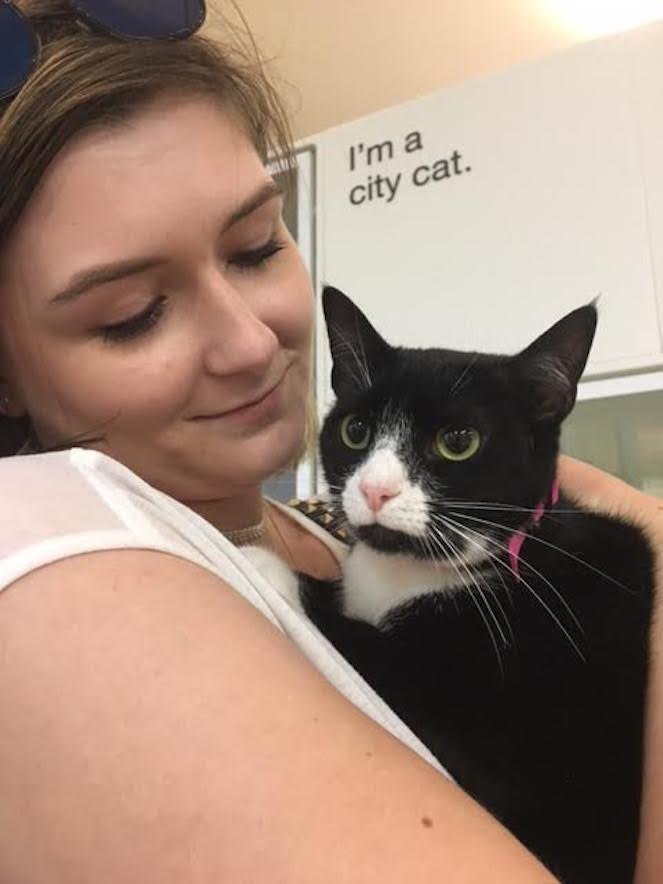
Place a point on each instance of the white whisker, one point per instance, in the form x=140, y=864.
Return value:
x=453, y=526
x=447, y=541
x=456, y=388
x=547, y=543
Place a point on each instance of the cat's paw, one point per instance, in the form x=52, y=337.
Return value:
x=276, y=573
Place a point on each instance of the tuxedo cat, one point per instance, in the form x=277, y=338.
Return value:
x=505, y=626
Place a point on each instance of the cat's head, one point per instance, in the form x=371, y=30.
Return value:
x=420, y=440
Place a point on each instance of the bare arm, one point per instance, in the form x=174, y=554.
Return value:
x=604, y=493
x=156, y=728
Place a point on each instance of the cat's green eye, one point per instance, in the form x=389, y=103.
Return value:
x=355, y=432
x=457, y=444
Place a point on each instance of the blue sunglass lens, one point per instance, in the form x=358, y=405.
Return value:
x=145, y=19
x=18, y=50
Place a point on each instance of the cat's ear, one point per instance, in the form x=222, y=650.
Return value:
x=356, y=348
x=551, y=367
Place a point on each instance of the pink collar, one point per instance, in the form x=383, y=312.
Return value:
x=519, y=536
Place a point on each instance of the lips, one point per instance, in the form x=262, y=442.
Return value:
x=254, y=400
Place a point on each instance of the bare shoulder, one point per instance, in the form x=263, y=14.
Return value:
x=162, y=730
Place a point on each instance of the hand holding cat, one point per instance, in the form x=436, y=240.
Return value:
x=595, y=490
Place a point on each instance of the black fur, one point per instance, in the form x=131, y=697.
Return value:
x=542, y=721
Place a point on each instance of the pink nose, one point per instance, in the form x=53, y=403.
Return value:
x=377, y=495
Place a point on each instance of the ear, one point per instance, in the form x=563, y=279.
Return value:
x=551, y=367
x=356, y=348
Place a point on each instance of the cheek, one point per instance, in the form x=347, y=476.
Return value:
x=88, y=385
x=288, y=308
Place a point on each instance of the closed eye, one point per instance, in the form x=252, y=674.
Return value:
x=249, y=259
x=255, y=258
x=136, y=326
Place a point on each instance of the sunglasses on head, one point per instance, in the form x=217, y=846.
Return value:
x=126, y=19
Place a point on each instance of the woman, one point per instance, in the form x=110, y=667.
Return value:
x=161, y=721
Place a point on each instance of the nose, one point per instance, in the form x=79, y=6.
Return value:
x=376, y=494
x=237, y=339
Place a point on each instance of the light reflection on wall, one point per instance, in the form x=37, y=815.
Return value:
x=596, y=18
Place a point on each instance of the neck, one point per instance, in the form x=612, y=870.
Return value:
x=231, y=513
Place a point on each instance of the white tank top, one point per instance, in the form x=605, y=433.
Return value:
x=53, y=506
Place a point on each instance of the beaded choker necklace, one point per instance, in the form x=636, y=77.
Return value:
x=243, y=536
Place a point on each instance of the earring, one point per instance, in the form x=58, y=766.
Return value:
x=5, y=405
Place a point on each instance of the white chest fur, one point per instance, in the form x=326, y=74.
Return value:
x=375, y=583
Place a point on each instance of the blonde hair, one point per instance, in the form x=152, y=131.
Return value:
x=86, y=80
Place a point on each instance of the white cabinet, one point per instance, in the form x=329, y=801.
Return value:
x=475, y=217
x=645, y=57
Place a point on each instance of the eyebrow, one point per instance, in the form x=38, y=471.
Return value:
x=92, y=277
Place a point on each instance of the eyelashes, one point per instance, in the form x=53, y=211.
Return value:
x=142, y=323
x=252, y=258
x=136, y=326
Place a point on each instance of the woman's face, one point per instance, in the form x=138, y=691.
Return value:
x=152, y=294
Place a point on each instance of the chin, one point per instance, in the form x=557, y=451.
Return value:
x=271, y=452
x=386, y=540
